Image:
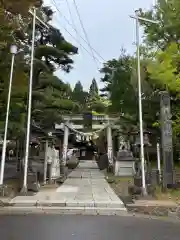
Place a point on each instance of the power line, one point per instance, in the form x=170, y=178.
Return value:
x=54, y=3
x=72, y=20
x=85, y=33
x=77, y=32
x=77, y=41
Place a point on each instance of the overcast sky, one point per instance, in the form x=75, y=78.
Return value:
x=108, y=27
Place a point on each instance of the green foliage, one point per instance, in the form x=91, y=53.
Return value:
x=164, y=67
x=120, y=78
x=80, y=97
x=51, y=96
x=93, y=90
x=118, y=86
x=167, y=30
x=164, y=70
x=95, y=101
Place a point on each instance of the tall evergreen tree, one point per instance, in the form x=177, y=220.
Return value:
x=78, y=94
x=93, y=90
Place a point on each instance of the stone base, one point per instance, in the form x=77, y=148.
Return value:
x=124, y=169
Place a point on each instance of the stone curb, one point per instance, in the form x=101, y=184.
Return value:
x=65, y=210
x=5, y=203
x=62, y=204
x=152, y=210
x=61, y=208
x=70, y=204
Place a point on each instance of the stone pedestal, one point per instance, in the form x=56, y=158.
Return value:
x=124, y=164
x=124, y=168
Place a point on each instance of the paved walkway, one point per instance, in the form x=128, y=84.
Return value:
x=85, y=188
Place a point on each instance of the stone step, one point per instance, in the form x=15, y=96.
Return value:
x=64, y=210
x=91, y=193
x=69, y=203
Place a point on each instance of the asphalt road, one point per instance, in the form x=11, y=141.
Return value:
x=49, y=227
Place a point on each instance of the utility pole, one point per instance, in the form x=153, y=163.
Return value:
x=24, y=189
x=33, y=13
x=137, y=18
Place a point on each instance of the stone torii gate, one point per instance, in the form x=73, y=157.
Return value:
x=99, y=123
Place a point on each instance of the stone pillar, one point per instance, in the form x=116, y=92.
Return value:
x=65, y=148
x=55, y=164
x=50, y=173
x=50, y=160
x=109, y=145
x=166, y=140
x=45, y=161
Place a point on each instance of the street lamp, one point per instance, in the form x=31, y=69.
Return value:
x=13, y=51
x=137, y=18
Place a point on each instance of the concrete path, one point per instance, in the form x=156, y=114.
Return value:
x=85, y=189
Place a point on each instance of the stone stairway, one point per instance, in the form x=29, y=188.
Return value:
x=85, y=191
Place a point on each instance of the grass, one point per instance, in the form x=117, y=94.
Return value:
x=119, y=184
x=170, y=194
x=154, y=165
x=115, y=179
x=12, y=187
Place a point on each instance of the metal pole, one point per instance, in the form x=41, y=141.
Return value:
x=13, y=52
x=24, y=189
x=37, y=18
x=144, y=191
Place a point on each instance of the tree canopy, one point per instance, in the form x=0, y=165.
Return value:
x=51, y=96
x=160, y=70
x=164, y=67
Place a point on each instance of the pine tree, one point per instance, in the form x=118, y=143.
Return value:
x=93, y=90
x=79, y=95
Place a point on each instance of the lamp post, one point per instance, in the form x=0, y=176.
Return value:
x=137, y=18
x=13, y=51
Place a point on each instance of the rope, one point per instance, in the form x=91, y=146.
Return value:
x=90, y=133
